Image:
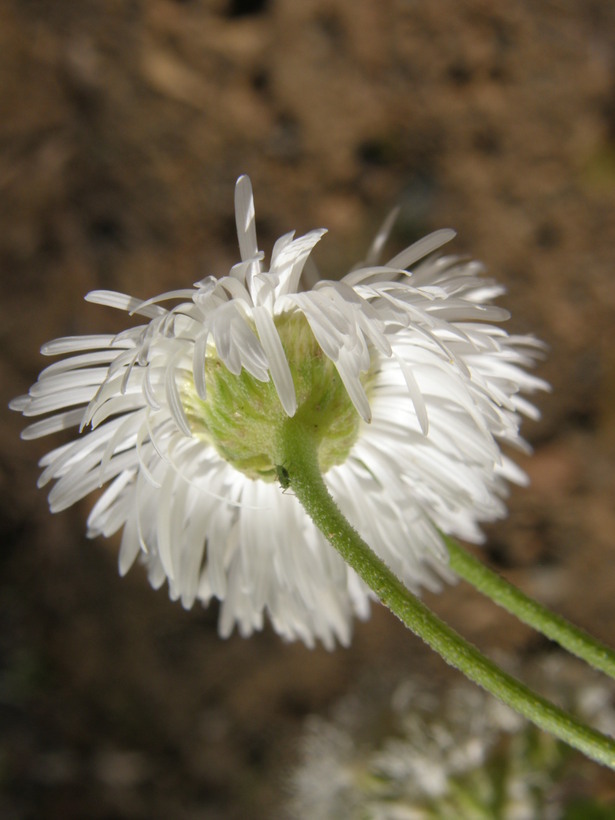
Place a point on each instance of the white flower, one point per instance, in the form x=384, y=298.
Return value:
x=417, y=390
x=423, y=750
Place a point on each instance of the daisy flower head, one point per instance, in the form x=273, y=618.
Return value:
x=401, y=370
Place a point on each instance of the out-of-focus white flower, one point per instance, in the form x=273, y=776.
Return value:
x=398, y=367
x=420, y=754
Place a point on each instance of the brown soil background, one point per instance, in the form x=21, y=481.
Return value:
x=123, y=126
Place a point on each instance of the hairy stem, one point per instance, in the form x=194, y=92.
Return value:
x=297, y=456
x=541, y=619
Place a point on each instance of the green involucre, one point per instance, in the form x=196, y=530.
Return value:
x=241, y=416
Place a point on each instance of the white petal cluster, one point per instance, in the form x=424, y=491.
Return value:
x=448, y=391
x=407, y=751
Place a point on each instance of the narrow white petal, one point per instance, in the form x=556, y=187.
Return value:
x=64, y=382
x=71, y=344
x=121, y=301
x=163, y=525
x=278, y=364
x=58, y=401
x=373, y=255
x=149, y=389
x=198, y=363
x=174, y=399
x=182, y=293
x=288, y=260
x=19, y=403
x=118, y=405
x=124, y=436
x=146, y=452
x=428, y=244
x=250, y=351
x=76, y=485
x=371, y=274
x=129, y=547
x=416, y=396
x=221, y=332
x=53, y=424
x=82, y=453
x=83, y=361
x=353, y=385
x=236, y=289
x=244, y=218
x=106, y=500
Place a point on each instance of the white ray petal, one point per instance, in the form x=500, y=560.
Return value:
x=121, y=301
x=278, y=363
x=72, y=344
x=244, y=218
x=174, y=399
x=428, y=244
x=53, y=424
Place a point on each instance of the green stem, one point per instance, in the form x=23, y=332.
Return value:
x=297, y=455
x=553, y=626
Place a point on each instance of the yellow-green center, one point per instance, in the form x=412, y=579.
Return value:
x=241, y=416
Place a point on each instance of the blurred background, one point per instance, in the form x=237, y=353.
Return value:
x=123, y=126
